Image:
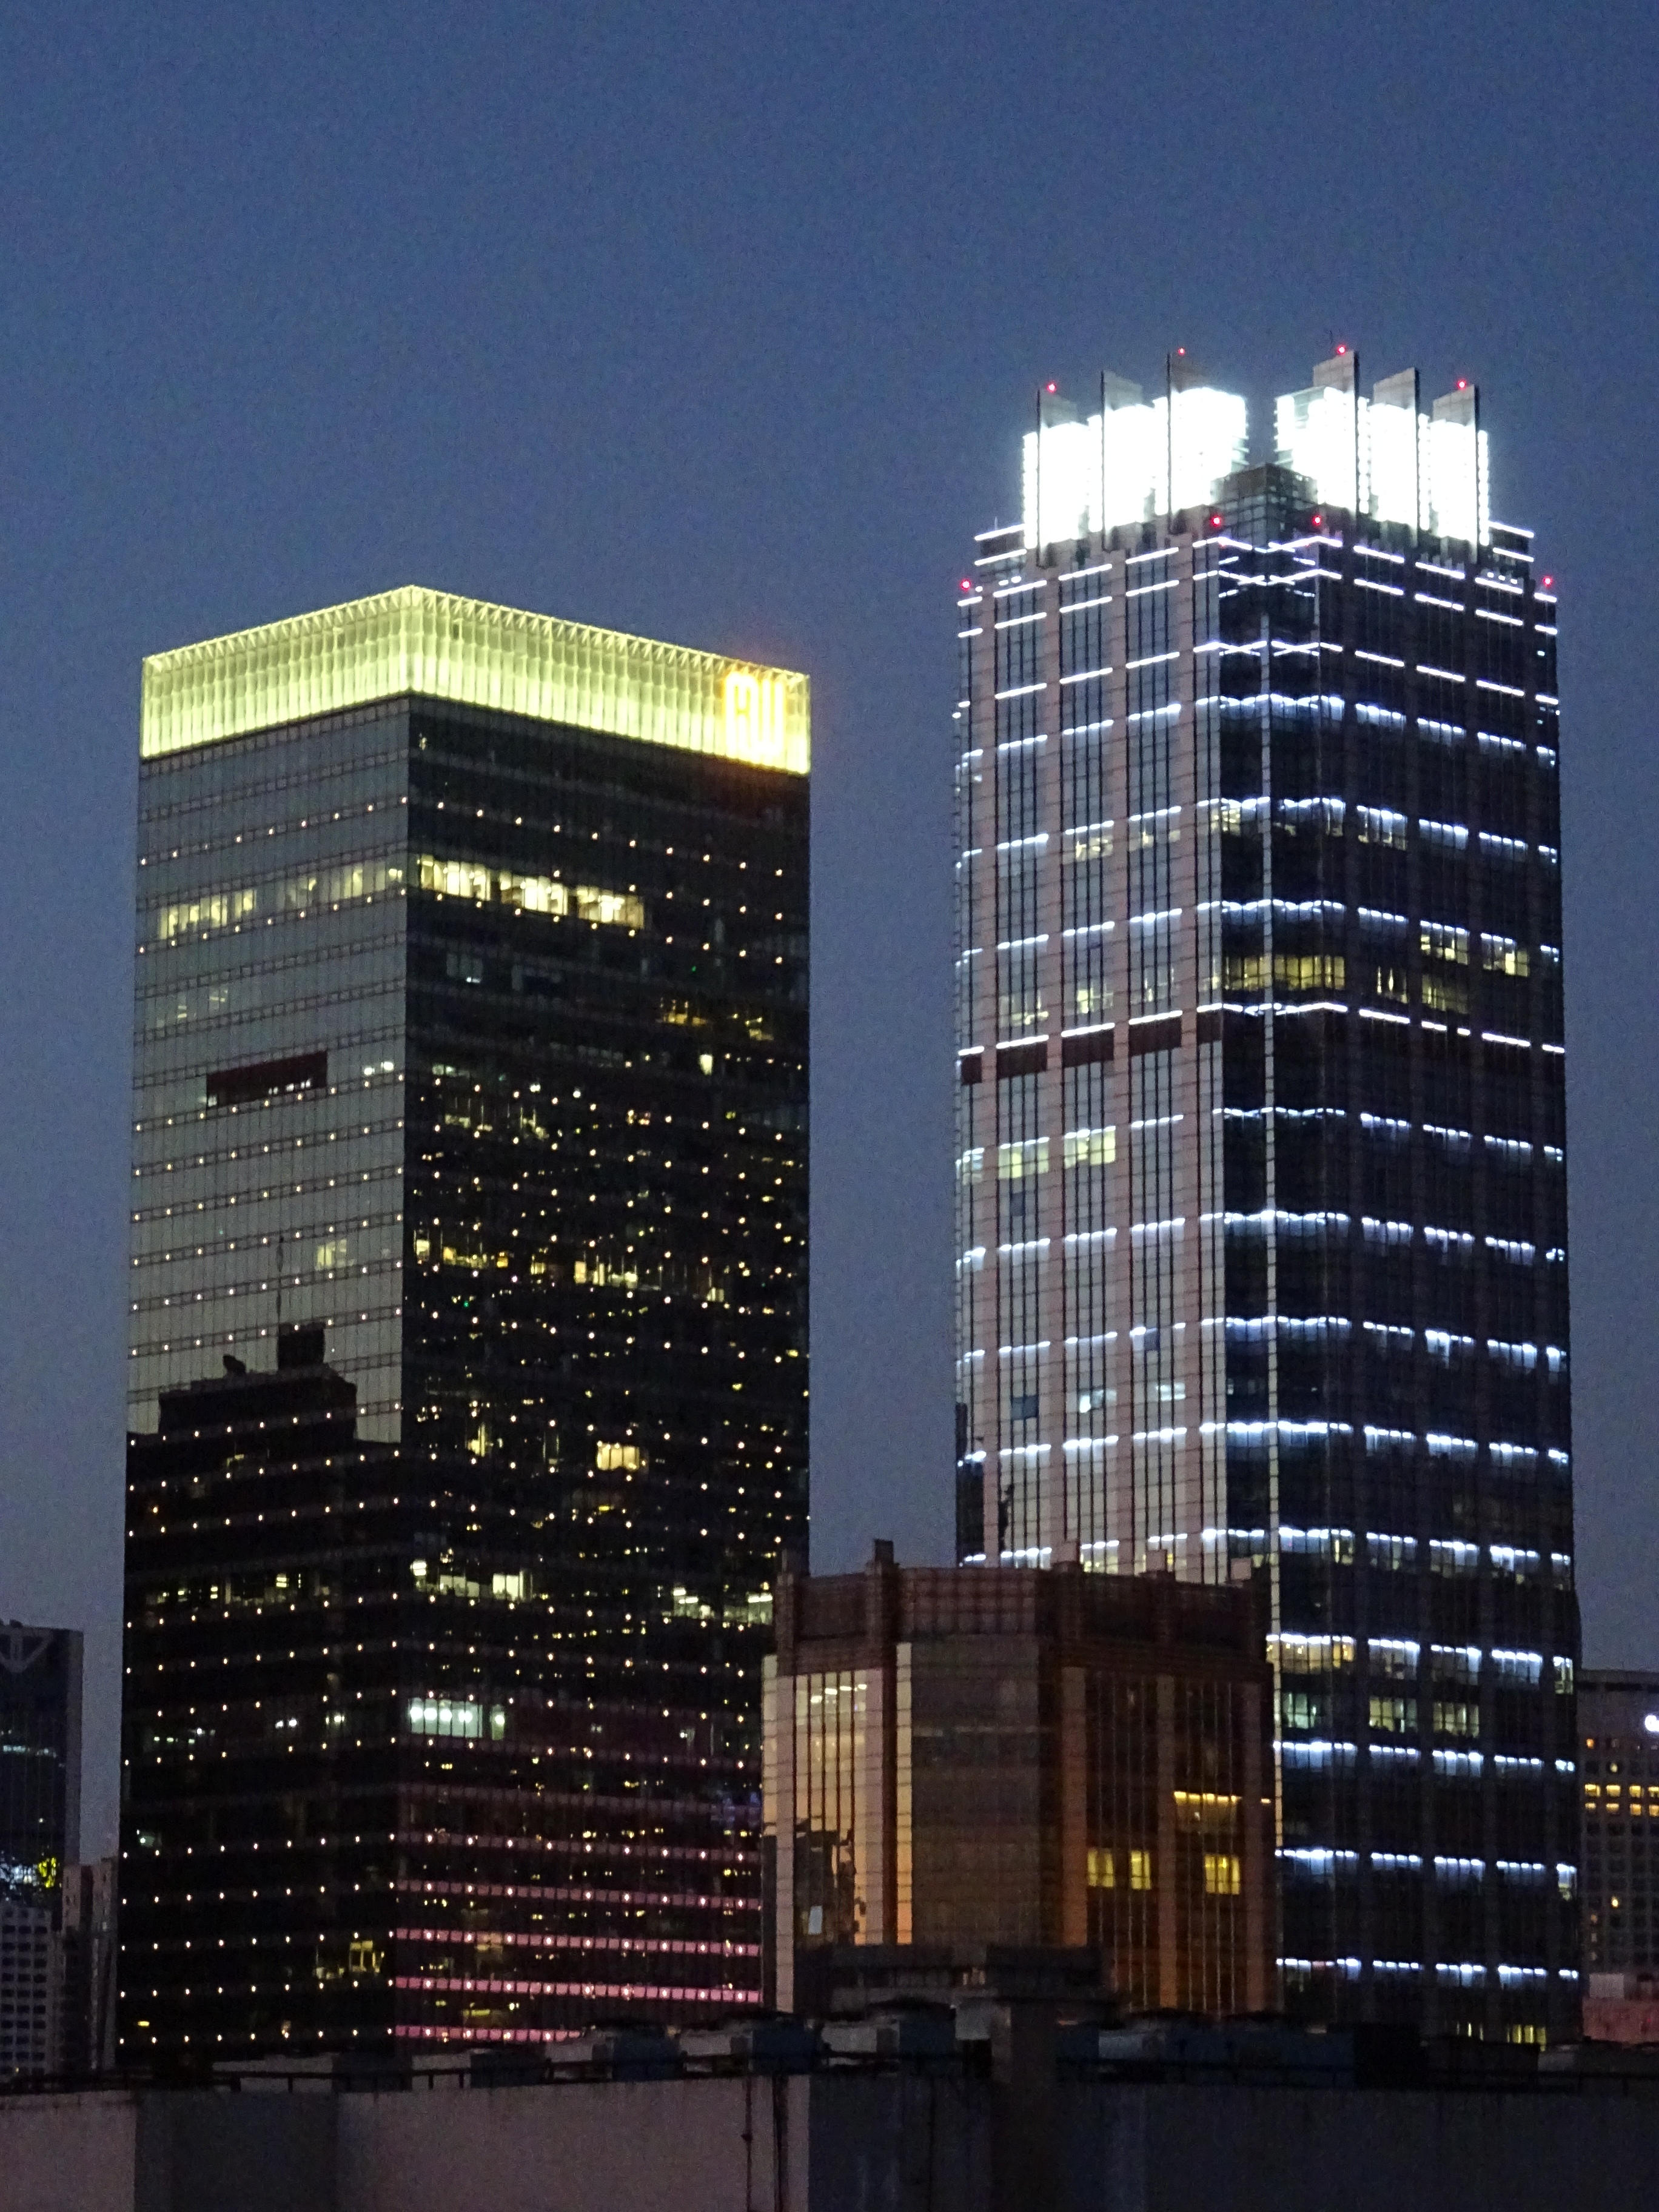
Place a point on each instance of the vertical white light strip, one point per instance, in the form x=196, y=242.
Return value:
x=1394, y=464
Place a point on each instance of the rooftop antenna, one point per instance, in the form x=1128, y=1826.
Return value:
x=1100, y=519
x=1168, y=433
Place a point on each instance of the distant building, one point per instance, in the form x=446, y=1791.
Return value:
x=86, y=1971
x=29, y=1991
x=1621, y=2007
x=39, y=1758
x=39, y=1830
x=57, y=1977
x=1008, y=1757
x=1618, y=1723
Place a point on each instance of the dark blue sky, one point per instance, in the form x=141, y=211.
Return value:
x=721, y=324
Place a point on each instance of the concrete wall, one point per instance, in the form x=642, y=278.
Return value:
x=69, y=2153
x=687, y=2146
x=1172, y=2149
x=899, y=2142
x=243, y=2153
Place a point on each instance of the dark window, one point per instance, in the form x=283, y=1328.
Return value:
x=264, y=1078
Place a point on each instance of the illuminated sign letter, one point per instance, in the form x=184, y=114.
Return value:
x=742, y=696
x=755, y=717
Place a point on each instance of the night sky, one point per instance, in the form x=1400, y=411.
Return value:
x=721, y=324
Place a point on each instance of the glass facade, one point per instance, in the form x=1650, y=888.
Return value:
x=468, y=1367
x=1261, y=1170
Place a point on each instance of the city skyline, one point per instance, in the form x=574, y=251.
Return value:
x=1100, y=494
x=759, y=397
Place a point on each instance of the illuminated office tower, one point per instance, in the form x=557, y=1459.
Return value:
x=1261, y=1192
x=468, y=1374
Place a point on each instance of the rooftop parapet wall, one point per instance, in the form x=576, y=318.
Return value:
x=885, y=1605
x=435, y=646
x=883, y=2132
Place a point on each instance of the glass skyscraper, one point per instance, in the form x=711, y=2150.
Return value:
x=468, y=1374
x=1261, y=1192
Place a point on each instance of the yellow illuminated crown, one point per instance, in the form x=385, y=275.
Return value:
x=430, y=643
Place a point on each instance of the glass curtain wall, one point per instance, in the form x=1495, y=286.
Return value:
x=471, y=1094
x=1262, y=1186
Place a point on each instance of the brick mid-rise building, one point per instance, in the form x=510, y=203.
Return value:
x=1007, y=1756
